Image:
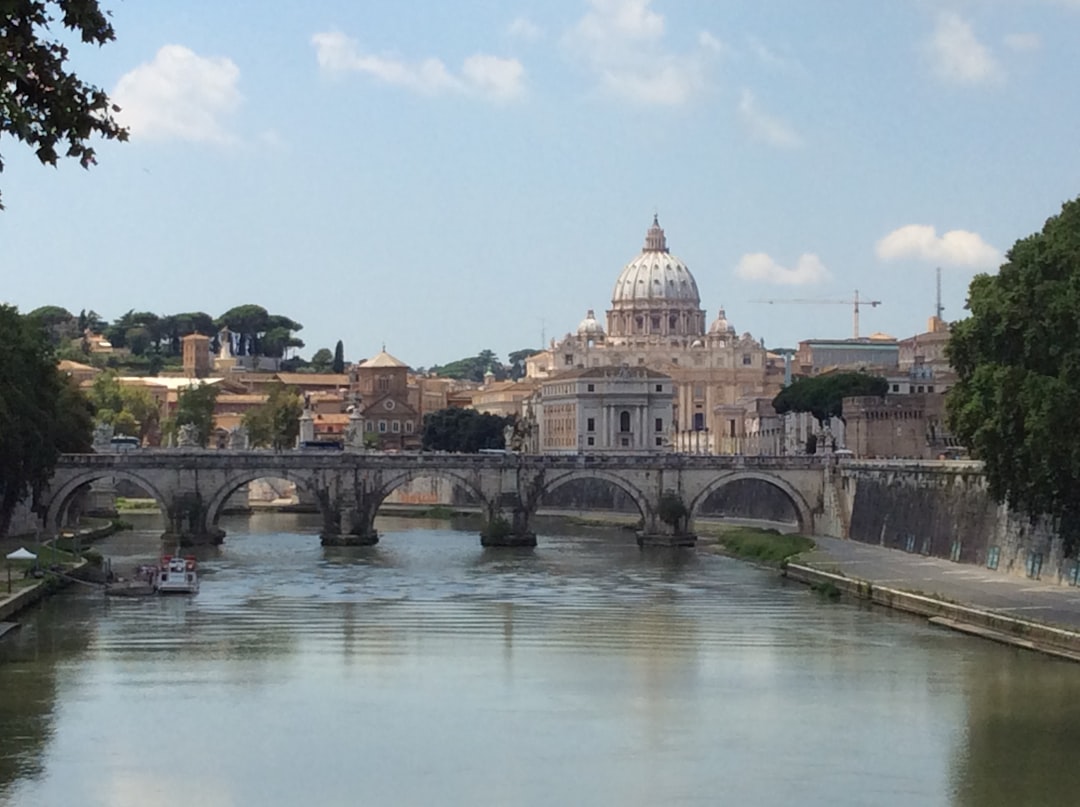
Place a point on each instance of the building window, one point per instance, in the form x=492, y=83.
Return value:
x=591, y=441
x=568, y=359
x=699, y=392
x=895, y=387
x=382, y=425
x=659, y=441
x=930, y=388
x=624, y=422
x=659, y=387
x=591, y=388
x=395, y=425
x=408, y=427
x=369, y=426
x=699, y=421
x=641, y=360
x=747, y=359
x=384, y=383
x=659, y=424
x=590, y=425
x=656, y=323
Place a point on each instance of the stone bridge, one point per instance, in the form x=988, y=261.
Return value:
x=192, y=486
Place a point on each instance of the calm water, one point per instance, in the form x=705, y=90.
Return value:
x=427, y=671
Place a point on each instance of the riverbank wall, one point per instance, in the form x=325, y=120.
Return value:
x=942, y=510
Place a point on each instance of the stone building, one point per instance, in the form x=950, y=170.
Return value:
x=391, y=420
x=656, y=322
x=910, y=426
x=599, y=409
x=196, y=355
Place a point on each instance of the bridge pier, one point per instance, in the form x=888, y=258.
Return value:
x=188, y=523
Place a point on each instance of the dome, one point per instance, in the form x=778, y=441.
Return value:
x=589, y=327
x=656, y=276
x=721, y=325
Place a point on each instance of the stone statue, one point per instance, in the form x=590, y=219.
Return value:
x=238, y=438
x=354, y=432
x=102, y=440
x=187, y=436
x=508, y=436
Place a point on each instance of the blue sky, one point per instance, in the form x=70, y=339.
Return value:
x=449, y=177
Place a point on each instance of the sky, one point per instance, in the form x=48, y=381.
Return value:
x=444, y=178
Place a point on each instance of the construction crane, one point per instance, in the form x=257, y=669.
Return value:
x=855, y=302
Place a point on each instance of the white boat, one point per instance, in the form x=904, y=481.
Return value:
x=176, y=575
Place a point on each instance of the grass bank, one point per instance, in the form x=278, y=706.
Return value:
x=761, y=546
x=127, y=505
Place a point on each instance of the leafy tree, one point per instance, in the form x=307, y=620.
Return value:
x=517, y=362
x=823, y=395
x=42, y=103
x=196, y=406
x=1017, y=358
x=338, y=365
x=129, y=410
x=673, y=510
x=258, y=333
x=59, y=323
x=463, y=430
x=322, y=361
x=42, y=414
x=276, y=424
x=472, y=368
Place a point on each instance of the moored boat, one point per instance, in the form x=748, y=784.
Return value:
x=175, y=574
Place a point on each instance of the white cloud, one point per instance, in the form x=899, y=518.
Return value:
x=524, y=28
x=621, y=42
x=1022, y=43
x=481, y=74
x=760, y=267
x=957, y=55
x=179, y=95
x=765, y=127
x=954, y=248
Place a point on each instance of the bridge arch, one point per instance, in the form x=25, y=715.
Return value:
x=60, y=499
x=393, y=481
x=240, y=478
x=803, y=513
x=639, y=498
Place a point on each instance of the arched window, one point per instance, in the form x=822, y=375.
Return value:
x=384, y=383
x=624, y=421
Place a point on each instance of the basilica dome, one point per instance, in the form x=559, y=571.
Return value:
x=655, y=276
x=655, y=298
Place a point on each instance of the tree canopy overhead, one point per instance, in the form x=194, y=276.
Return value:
x=823, y=395
x=43, y=103
x=1017, y=357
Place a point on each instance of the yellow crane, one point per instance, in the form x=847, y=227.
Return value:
x=855, y=302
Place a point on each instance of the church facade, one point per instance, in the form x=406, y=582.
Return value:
x=656, y=322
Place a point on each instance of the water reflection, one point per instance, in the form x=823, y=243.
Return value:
x=426, y=670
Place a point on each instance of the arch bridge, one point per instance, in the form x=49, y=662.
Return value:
x=193, y=485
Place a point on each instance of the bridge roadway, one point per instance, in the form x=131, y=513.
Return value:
x=193, y=485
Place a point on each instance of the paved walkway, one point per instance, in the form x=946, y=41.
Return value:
x=973, y=586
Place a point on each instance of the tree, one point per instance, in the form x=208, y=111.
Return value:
x=196, y=406
x=673, y=510
x=129, y=410
x=823, y=395
x=1017, y=358
x=473, y=367
x=42, y=414
x=464, y=430
x=322, y=361
x=59, y=323
x=276, y=424
x=517, y=362
x=42, y=103
x=338, y=365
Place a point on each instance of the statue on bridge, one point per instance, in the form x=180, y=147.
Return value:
x=187, y=436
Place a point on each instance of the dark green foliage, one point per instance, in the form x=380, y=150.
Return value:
x=1018, y=361
x=276, y=423
x=256, y=332
x=42, y=103
x=338, y=365
x=42, y=414
x=464, y=430
x=517, y=362
x=472, y=368
x=672, y=510
x=322, y=360
x=196, y=406
x=823, y=395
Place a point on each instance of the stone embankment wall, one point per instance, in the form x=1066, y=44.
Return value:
x=941, y=509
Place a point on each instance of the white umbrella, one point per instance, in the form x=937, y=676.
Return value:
x=21, y=554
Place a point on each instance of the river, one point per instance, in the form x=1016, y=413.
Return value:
x=429, y=671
